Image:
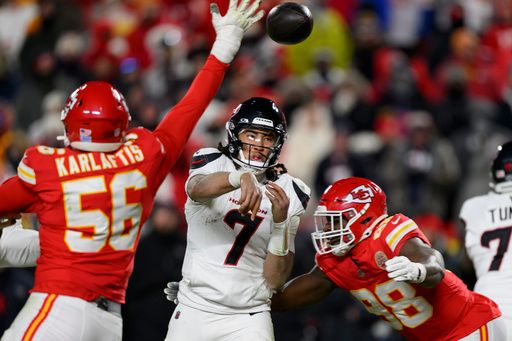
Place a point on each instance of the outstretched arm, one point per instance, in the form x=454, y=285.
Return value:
x=20, y=197
x=303, y=291
x=204, y=187
x=175, y=129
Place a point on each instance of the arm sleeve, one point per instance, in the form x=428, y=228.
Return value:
x=177, y=125
x=18, y=247
x=21, y=198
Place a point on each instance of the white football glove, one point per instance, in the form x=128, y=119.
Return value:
x=401, y=269
x=230, y=28
x=171, y=292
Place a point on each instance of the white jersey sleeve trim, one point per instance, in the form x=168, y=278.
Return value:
x=399, y=232
x=26, y=173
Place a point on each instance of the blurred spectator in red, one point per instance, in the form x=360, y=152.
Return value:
x=402, y=83
x=476, y=63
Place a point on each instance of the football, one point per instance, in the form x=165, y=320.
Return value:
x=289, y=23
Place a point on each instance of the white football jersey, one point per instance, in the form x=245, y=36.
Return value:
x=223, y=266
x=19, y=247
x=488, y=221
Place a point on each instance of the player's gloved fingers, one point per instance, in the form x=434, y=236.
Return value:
x=393, y=266
x=396, y=260
x=232, y=5
x=249, y=13
x=243, y=5
x=214, y=9
x=396, y=273
x=401, y=279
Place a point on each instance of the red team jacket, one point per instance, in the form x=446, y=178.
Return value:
x=447, y=312
x=91, y=205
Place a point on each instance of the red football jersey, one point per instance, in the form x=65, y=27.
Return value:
x=91, y=205
x=447, y=312
x=92, y=208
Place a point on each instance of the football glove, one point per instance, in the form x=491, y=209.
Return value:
x=230, y=28
x=171, y=292
x=401, y=269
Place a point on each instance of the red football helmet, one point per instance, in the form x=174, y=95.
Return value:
x=95, y=118
x=346, y=214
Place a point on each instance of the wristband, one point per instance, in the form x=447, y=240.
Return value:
x=422, y=273
x=234, y=178
x=278, y=243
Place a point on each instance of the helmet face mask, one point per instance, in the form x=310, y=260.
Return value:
x=347, y=213
x=95, y=118
x=333, y=233
x=501, y=169
x=255, y=119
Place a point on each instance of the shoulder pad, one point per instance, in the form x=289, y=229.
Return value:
x=203, y=157
x=25, y=170
x=302, y=190
x=395, y=228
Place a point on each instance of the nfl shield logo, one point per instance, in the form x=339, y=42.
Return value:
x=85, y=135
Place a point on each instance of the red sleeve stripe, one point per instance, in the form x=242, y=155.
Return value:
x=395, y=236
x=26, y=173
x=40, y=317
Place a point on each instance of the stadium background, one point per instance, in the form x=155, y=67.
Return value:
x=413, y=94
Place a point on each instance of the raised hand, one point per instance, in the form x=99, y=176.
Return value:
x=230, y=28
x=279, y=200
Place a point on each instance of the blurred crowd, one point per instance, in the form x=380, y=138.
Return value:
x=414, y=94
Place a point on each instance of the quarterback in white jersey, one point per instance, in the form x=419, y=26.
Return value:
x=488, y=223
x=242, y=214
x=19, y=247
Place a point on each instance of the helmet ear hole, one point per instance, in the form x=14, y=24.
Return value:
x=366, y=220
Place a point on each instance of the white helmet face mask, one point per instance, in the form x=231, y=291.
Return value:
x=332, y=235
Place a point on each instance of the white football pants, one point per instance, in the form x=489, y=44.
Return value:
x=189, y=324
x=53, y=317
x=495, y=330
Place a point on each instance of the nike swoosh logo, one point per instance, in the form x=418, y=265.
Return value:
x=395, y=221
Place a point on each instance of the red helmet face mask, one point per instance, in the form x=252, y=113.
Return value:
x=95, y=118
x=346, y=214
